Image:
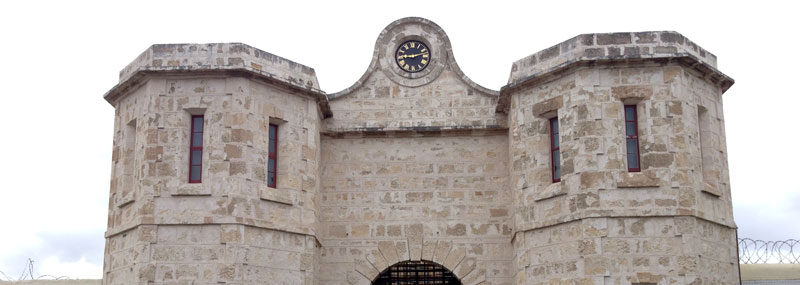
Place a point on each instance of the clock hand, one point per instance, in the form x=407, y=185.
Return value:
x=410, y=55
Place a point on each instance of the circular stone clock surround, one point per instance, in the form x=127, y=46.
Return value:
x=401, y=31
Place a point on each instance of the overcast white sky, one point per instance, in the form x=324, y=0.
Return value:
x=60, y=57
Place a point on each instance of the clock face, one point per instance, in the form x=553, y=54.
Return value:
x=412, y=56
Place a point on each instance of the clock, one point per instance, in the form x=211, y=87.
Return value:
x=413, y=56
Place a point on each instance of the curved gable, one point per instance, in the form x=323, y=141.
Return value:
x=439, y=97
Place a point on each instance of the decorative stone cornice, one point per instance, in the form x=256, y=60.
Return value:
x=612, y=49
x=226, y=59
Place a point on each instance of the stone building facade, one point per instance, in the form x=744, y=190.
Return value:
x=424, y=165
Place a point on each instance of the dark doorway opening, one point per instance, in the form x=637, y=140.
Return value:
x=416, y=273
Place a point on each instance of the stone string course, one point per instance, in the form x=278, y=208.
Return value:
x=447, y=171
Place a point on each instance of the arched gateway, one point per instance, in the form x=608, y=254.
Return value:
x=416, y=273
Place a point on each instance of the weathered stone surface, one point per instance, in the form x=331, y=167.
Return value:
x=442, y=250
x=455, y=256
x=388, y=251
x=423, y=167
x=276, y=195
x=549, y=105
x=613, y=39
x=637, y=92
x=637, y=180
x=366, y=269
x=657, y=160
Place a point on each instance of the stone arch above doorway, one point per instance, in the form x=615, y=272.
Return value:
x=451, y=256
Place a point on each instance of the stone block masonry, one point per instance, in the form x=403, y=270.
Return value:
x=425, y=166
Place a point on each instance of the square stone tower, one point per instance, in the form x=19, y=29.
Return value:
x=602, y=161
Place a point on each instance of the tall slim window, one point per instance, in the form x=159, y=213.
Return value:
x=272, y=164
x=555, y=153
x=129, y=157
x=196, y=150
x=704, y=136
x=632, y=138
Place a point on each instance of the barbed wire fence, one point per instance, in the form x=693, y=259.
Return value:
x=27, y=274
x=753, y=251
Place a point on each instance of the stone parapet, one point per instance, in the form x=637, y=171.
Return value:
x=230, y=59
x=612, y=49
x=611, y=45
x=220, y=56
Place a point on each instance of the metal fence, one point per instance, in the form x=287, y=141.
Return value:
x=753, y=251
x=27, y=274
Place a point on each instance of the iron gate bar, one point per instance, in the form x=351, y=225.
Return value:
x=416, y=273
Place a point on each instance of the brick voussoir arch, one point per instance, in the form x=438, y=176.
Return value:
x=443, y=252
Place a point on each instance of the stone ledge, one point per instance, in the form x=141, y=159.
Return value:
x=522, y=230
x=277, y=195
x=205, y=221
x=127, y=200
x=422, y=131
x=707, y=72
x=541, y=109
x=711, y=189
x=551, y=191
x=141, y=76
x=638, y=213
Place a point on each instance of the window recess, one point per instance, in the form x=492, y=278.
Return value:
x=272, y=162
x=196, y=150
x=632, y=138
x=555, y=151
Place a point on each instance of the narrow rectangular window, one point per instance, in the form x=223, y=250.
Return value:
x=272, y=163
x=632, y=138
x=704, y=139
x=129, y=157
x=555, y=153
x=196, y=150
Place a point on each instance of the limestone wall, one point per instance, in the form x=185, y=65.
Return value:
x=232, y=226
x=678, y=180
x=442, y=198
x=423, y=166
x=384, y=105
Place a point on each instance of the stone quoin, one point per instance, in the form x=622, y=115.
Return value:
x=230, y=165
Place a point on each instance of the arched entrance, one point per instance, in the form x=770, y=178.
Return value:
x=416, y=273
